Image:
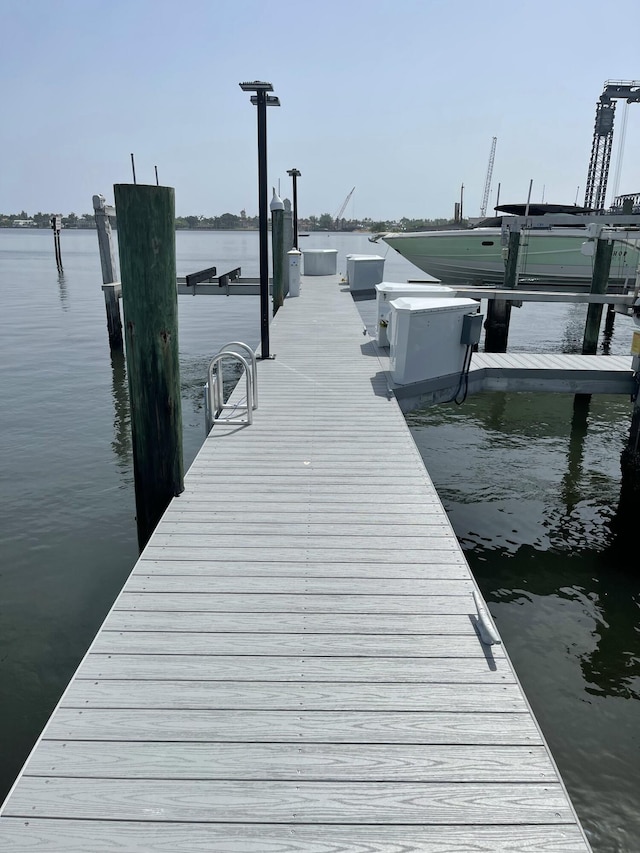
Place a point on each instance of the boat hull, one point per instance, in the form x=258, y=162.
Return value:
x=474, y=256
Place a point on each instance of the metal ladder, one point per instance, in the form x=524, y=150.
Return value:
x=216, y=410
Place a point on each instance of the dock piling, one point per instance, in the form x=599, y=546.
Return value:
x=277, y=250
x=287, y=231
x=146, y=242
x=109, y=272
x=499, y=310
x=599, y=282
x=56, y=225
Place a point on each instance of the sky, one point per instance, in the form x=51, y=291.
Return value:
x=400, y=100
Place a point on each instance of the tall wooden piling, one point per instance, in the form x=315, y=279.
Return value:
x=146, y=244
x=277, y=250
x=599, y=282
x=105, y=240
x=287, y=230
x=109, y=272
x=499, y=310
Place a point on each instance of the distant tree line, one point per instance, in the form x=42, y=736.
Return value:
x=233, y=222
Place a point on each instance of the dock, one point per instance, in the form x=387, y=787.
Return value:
x=295, y=662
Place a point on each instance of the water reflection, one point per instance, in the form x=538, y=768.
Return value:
x=571, y=482
x=607, y=332
x=121, y=444
x=63, y=292
x=613, y=667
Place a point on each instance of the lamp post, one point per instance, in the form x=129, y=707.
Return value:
x=295, y=174
x=262, y=100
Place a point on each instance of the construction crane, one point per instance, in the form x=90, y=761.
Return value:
x=341, y=210
x=487, y=183
x=598, y=174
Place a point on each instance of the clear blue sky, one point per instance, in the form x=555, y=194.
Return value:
x=399, y=99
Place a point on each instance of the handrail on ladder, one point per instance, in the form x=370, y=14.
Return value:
x=214, y=392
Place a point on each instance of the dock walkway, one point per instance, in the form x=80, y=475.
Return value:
x=293, y=664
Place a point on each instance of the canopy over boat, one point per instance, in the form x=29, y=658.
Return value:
x=540, y=209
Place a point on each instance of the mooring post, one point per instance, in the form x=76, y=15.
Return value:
x=109, y=274
x=499, y=310
x=287, y=242
x=146, y=244
x=599, y=282
x=56, y=225
x=277, y=254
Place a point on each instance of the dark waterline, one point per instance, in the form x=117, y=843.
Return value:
x=533, y=503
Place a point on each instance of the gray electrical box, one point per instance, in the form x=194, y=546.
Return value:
x=471, y=329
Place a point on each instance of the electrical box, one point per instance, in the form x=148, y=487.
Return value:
x=425, y=337
x=364, y=271
x=388, y=290
x=471, y=329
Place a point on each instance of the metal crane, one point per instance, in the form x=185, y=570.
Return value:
x=487, y=183
x=341, y=210
x=598, y=174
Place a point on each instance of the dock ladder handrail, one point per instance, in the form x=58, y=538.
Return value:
x=215, y=406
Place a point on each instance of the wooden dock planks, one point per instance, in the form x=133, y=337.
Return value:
x=293, y=663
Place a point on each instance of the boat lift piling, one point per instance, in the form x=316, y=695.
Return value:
x=599, y=282
x=499, y=310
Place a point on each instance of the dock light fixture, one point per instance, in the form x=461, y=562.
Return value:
x=262, y=100
x=295, y=174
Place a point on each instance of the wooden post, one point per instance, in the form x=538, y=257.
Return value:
x=56, y=225
x=112, y=307
x=287, y=230
x=105, y=240
x=109, y=274
x=146, y=243
x=599, y=282
x=499, y=310
x=277, y=238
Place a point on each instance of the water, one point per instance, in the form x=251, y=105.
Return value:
x=532, y=501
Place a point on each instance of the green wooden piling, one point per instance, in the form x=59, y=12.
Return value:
x=146, y=245
x=499, y=310
x=599, y=282
x=277, y=251
x=287, y=241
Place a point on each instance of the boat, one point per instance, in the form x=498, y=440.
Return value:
x=551, y=252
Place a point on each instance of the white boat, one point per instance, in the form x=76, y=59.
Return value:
x=551, y=248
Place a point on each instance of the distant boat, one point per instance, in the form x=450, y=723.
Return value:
x=550, y=251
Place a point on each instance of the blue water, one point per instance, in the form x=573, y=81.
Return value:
x=533, y=501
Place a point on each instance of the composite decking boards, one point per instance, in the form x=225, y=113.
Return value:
x=293, y=664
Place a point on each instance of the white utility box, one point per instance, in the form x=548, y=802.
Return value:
x=388, y=290
x=425, y=337
x=364, y=271
x=320, y=261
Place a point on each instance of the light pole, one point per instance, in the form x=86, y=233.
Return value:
x=262, y=101
x=295, y=174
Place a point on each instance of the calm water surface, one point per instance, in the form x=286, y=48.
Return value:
x=531, y=487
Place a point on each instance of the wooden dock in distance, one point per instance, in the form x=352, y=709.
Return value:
x=293, y=664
